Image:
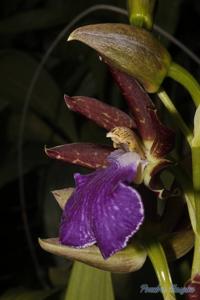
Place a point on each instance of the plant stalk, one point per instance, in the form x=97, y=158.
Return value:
x=181, y=75
x=167, y=102
x=159, y=262
x=196, y=257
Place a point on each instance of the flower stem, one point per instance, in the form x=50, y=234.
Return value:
x=196, y=167
x=186, y=183
x=196, y=185
x=192, y=193
x=181, y=75
x=196, y=257
x=141, y=13
x=175, y=115
x=159, y=262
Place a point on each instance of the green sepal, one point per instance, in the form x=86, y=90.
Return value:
x=130, y=49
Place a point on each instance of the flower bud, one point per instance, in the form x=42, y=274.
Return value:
x=141, y=13
x=130, y=49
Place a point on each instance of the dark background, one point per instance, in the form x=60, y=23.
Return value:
x=27, y=30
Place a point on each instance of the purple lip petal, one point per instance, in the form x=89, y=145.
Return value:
x=75, y=227
x=117, y=218
x=164, y=139
x=83, y=154
x=101, y=113
x=103, y=209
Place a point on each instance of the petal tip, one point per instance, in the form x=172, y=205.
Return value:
x=70, y=37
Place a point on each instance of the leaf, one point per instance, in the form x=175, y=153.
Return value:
x=196, y=139
x=17, y=70
x=33, y=156
x=43, y=18
x=24, y=294
x=3, y=104
x=177, y=244
x=36, y=130
x=87, y=283
x=167, y=18
x=33, y=20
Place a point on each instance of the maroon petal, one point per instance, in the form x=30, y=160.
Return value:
x=145, y=115
x=139, y=103
x=103, y=114
x=152, y=178
x=164, y=138
x=83, y=154
x=193, y=288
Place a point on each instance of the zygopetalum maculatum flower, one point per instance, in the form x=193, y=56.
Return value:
x=105, y=210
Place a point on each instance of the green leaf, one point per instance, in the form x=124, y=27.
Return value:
x=52, y=15
x=33, y=20
x=3, y=104
x=17, y=70
x=36, y=130
x=24, y=294
x=167, y=18
x=87, y=283
x=33, y=156
x=196, y=139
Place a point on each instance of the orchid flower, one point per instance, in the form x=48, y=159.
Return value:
x=104, y=208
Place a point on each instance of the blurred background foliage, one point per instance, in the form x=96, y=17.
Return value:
x=27, y=30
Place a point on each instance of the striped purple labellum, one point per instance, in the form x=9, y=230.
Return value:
x=104, y=209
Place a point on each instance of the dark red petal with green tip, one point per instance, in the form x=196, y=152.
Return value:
x=149, y=126
x=194, y=288
x=82, y=154
x=101, y=113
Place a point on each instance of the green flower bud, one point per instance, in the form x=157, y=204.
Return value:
x=141, y=13
x=130, y=49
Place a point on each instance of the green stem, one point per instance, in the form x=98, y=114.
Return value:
x=175, y=115
x=181, y=75
x=141, y=13
x=184, y=180
x=196, y=166
x=196, y=257
x=159, y=262
x=195, y=148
